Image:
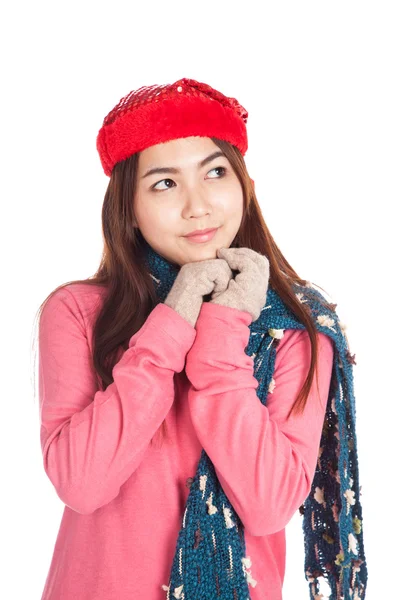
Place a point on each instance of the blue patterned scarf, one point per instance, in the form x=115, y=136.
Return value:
x=210, y=560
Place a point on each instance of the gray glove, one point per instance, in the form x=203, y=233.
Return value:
x=195, y=280
x=248, y=290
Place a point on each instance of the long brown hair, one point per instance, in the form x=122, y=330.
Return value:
x=130, y=295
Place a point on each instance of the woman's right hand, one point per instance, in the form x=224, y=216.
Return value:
x=195, y=280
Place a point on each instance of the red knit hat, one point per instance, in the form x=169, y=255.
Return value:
x=159, y=113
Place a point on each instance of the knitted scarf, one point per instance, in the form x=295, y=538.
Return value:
x=210, y=560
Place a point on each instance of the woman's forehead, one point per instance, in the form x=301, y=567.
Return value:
x=188, y=152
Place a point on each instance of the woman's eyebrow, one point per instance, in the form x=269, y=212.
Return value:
x=203, y=162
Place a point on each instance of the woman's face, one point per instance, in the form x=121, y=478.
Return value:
x=191, y=196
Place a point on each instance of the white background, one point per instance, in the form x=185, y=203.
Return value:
x=321, y=84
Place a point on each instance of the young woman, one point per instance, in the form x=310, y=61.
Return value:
x=195, y=392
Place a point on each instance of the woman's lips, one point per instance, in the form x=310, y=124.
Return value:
x=205, y=237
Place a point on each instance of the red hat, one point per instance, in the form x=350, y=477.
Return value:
x=159, y=113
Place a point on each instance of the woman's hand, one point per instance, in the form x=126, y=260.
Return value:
x=248, y=290
x=195, y=280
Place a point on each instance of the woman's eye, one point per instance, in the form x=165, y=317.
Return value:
x=153, y=187
x=223, y=169
x=219, y=168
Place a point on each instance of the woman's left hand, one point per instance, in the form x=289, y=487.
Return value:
x=248, y=290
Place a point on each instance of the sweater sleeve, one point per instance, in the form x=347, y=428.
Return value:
x=265, y=464
x=93, y=440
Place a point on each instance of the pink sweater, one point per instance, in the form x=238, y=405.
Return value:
x=124, y=497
